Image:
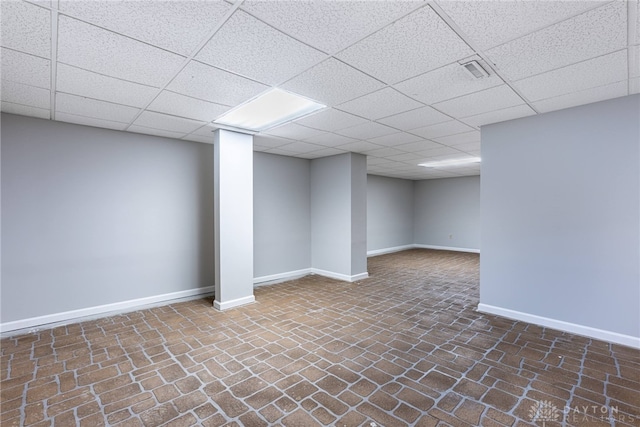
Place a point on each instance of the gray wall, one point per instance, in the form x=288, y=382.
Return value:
x=282, y=214
x=358, y=189
x=94, y=216
x=331, y=213
x=447, y=212
x=339, y=214
x=561, y=215
x=389, y=212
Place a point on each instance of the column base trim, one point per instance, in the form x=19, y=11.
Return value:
x=340, y=276
x=390, y=250
x=280, y=277
x=233, y=303
x=561, y=325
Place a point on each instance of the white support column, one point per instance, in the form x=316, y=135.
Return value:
x=233, y=204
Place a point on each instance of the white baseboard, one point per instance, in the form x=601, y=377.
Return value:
x=340, y=276
x=447, y=248
x=101, y=310
x=393, y=249
x=561, y=325
x=233, y=303
x=281, y=277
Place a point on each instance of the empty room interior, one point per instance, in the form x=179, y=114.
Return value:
x=320, y=213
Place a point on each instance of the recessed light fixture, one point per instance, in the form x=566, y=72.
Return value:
x=475, y=69
x=451, y=162
x=272, y=108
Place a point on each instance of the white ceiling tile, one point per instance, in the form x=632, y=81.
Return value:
x=89, y=121
x=412, y=45
x=422, y=145
x=461, y=138
x=596, y=94
x=156, y=132
x=359, y=147
x=178, y=26
x=298, y=147
x=490, y=23
x=86, y=83
x=404, y=157
x=332, y=82
x=634, y=85
x=166, y=122
x=384, y=152
x=421, y=117
x=373, y=161
x=329, y=139
x=24, y=110
x=198, y=138
x=442, y=129
x=446, y=82
x=588, y=35
x=212, y=84
x=395, y=139
x=88, y=107
x=92, y=48
x=329, y=26
x=634, y=61
x=293, y=131
x=584, y=75
x=278, y=151
x=496, y=116
x=324, y=152
x=269, y=141
x=331, y=120
x=469, y=146
x=484, y=101
x=26, y=69
x=185, y=106
x=206, y=130
x=367, y=131
x=382, y=103
x=252, y=48
x=26, y=27
x=30, y=96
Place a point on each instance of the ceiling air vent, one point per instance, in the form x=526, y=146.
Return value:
x=475, y=69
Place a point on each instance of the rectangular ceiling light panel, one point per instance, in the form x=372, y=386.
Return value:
x=270, y=109
x=451, y=162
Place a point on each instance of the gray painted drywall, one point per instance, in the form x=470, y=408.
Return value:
x=389, y=212
x=358, y=213
x=338, y=237
x=447, y=212
x=282, y=214
x=94, y=216
x=331, y=214
x=561, y=215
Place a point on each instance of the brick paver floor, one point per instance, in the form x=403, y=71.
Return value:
x=404, y=347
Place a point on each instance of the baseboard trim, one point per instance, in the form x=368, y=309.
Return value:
x=281, y=277
x=101, y=310
x=390, y=250
x=340, y=276
x=233, y=303
x=447, y=248
x=561, y=325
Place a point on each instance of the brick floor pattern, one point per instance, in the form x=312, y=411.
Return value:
x=403, y=347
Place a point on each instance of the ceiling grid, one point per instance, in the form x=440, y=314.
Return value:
x=390, y=72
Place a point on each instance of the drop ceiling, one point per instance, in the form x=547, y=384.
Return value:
x=389, y=71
